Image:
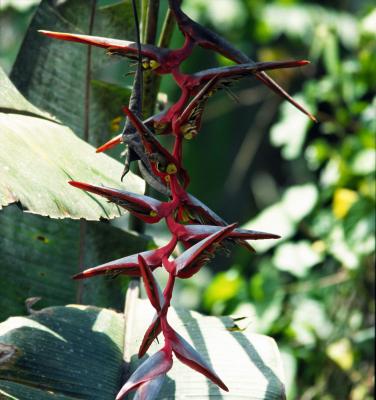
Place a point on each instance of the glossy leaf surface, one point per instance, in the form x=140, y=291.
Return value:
x=39, y=256
x=75, y=347
x=49, y=154
x=58, y=353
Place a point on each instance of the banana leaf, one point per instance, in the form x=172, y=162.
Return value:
x=77, y=352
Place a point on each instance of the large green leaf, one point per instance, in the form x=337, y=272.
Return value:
x=38, y=156
x=75, y=353
x=248, y=363
x=39, y=255
x=65, y=353
x=52, y=74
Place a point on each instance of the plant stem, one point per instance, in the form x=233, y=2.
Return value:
x=83, y=223
x=150, y=93
x=135, y=105
x=150, y=32
x=163, y=41
x=167, y=30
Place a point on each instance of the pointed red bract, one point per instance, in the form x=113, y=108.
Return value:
x=189, y=356
x=208, y=39
x=188, y=122
x=150, y=335
x=125, y=266
x=235, y=72
x=156, y=365
x=110, y=144
x=190, y=262
x=205, y=232
x=202, y=212
x=151, y=286
x=149, y=390
x=144, y=207
x=129, y=265
x=124, y=47
x=159, y=157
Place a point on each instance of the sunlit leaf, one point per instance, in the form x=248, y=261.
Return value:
x=255, y=356
x=59, y=353
x=343, y=199
x=364, y=162
x=76, y=352
x=282, y=217
x=224, y=286
x=310, y=321
x=341, y=353
x=48, y=155
x=296, y=258
x=290, y=132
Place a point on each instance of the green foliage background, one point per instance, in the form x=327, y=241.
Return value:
x=265, y=165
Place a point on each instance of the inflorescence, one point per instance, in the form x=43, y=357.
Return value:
x=201, y=231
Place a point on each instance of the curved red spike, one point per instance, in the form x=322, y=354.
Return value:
x=151, y=334
x=156, y=365
x=144, y=207
x=125, y=47
x=189, y=356
x=193, y=259
x=151, y=285
x=110, y=144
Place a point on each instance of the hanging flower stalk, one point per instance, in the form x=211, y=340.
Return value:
x=201, y=231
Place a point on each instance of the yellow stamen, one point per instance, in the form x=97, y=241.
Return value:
x=159, y=126
x=145, y=64
x=185, y=216
x=185, y=128
x=190, y=135
x=154, y=64
x=153, y=213
x=171, y=169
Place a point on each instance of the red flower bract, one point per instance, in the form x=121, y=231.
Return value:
x=189, y=220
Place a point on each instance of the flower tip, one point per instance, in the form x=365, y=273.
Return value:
x=109, y=145
x=49, y=33
x=81, y=275
x=119, y=396
x=224, y=387
x=75, y=183
x=79, y=185
x=126, y=110
x=44, y=32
